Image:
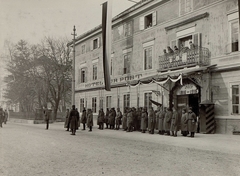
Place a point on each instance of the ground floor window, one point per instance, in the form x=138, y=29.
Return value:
x=147, y=102
x=108, y=101
x=81, y=104
x=126, y=100
x=235, y=98
x=94, y=104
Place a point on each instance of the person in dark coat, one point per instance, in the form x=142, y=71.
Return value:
x=66, y=124
x=111, y=119
x=118, y=119
x=90, y=120
x=191, y=121
x=78, y=120
x=167, y=121
x=74, y=115
x=184, y=126
x=46, y=117
x=124, y=119
x=107, y=118
x=130, y=120
x=151, y=120
x=101, y=119
x=158, y=111
x=84, y=118
x=174, y=123
x=144, y=120
x=1, y=117
x=161, y=116
x=5, y=116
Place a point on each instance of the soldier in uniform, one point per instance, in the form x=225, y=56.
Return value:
x=167, y=121
x=151, y=120
x=1, y=117
x=101, y=119
x=174, y=123
x=124, y=119
x=74, y=115
x=139, y=116
x=191, y=121
x=144, y=120
x=78, y=120
x=5, y=116
x=130, y=120
x=118, y=119
x=66, y=124
x=84, y=118
x=184, y=126
x=90, y=120
x=46, y=117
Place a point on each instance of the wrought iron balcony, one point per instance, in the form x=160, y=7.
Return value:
x=184, y=58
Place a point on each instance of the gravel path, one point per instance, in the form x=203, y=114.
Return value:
x=30, y=150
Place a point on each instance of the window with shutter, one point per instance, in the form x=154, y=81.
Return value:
x=197, y=41
x=235, y=98
x=148, y=20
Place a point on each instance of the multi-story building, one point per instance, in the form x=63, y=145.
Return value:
x=206, y=66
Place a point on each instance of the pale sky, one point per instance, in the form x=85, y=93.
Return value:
x=31, y=20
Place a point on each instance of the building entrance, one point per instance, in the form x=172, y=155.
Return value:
x=186, y=101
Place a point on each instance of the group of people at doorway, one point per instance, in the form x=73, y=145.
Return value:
x=165, y=120
x=3, y=116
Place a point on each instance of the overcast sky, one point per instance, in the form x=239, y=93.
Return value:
x=31, y=20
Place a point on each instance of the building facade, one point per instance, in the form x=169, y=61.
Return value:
x=201, y=62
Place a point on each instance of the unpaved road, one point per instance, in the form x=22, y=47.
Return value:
x=30, y=150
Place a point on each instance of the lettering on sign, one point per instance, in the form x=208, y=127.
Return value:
x=187, y=89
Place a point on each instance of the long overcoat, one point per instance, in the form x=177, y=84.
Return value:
x=101, y=117
x=144, y=120
x=124, y=120
x=192, y=122
x=89, y=119
x=161, y=120
x=184, y=126
x=106, y=120
x=174, y=121
x=84, y=117
x=66, y=119
x=157, y=119
x=73, y=119
x=111, y=118
x=151, y=120
x=130, y=119
x=167, y=120
x=119, y=118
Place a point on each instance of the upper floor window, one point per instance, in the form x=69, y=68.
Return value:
x=185, y=6
x=83, y=49
x=148, y=21
x=128, y=29
x=94, y=104
x=83, y=75
x=126, y=62
x=234, y=36
x=95, y=43
x=235, y=98
x=94, y=72
x=148, y=53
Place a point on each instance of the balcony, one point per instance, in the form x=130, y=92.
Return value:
x=184, y=58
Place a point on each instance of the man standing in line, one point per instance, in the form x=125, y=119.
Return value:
x=66, y=124
x=90, y=119
x=84, y=118
x=1, y=117
x=167, y=121
x=101, y=119
x=191, y=121
x=118, y=119
x=151, y=120
x=174, y=123
x=74, y=115
x=5, y=116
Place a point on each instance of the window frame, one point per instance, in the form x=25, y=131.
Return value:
x=185, y=4
x=108, y=101
x=95, y=71
x=230, y=22
x=142, y=20
x=144, y=64
x=97, y=44
x=128, y=55
x=125, y=101
x=147, y=92
x=231, y=98
x=94, y=104
x=83, y=79
x=83, y=51
x=82, y=101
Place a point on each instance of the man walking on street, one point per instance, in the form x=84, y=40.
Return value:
x=73, y=119
x=1, y=117
x=47, y=117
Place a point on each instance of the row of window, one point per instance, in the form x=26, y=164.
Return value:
x=126, y=102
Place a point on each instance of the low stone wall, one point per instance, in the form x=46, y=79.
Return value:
x=22, y=115
x=227, y=125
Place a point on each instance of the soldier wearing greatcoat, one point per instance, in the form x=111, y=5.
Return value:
x=73, y=118
x=191, y=121
x=101, y=119
x=90, y=120
x=111, y=118
x=1, y=117
x=118, y=119
x=174, y=123
x=167, y=121
x=151, y=120
x=66, y=124
x=84, y=118
x=184, y=126
x=124, y=119
x=144, y=120
x=157, y=117
x=139, y=116
x=130, y=120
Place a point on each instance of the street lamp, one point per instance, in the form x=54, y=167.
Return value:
x=73, y=66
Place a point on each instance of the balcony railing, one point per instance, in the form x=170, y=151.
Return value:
x=184, y=58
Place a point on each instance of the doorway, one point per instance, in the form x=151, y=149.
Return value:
x=186, y=101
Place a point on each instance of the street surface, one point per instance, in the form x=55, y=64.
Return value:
x=30, y=150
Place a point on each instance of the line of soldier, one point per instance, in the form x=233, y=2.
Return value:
x=167, y=121
x=3, y=117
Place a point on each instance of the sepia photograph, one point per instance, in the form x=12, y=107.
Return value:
x=119, y=87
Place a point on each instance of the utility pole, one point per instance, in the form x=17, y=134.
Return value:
x=73, y=67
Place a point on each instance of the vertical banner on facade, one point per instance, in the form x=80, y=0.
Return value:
x=106, y=35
